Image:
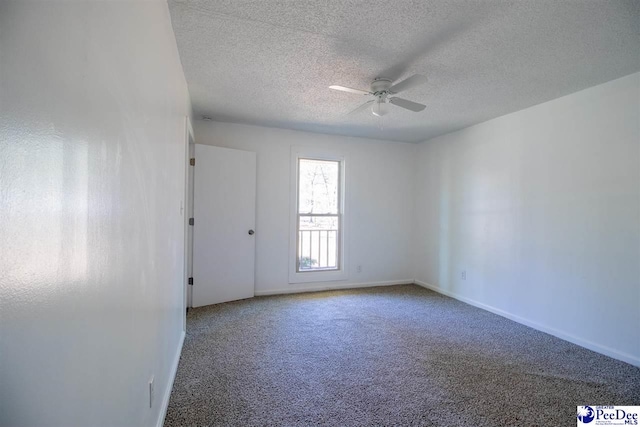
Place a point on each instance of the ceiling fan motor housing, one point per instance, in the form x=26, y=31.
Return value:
x=380, y=85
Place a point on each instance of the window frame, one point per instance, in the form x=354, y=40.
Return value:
x=320, y=275
x=337, y=215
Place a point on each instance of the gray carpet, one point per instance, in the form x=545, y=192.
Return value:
x=399, y=355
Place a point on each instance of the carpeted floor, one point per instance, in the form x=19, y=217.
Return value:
x=399, y=355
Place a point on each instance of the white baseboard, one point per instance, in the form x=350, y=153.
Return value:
x=607, y=351
x=329, y=286
x=172, y=376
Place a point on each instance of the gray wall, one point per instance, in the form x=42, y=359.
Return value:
x=93, y=106
x=541, y=208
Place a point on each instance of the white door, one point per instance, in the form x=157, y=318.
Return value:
x=224, y=221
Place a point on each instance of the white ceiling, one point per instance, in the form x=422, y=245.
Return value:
x=270, y=62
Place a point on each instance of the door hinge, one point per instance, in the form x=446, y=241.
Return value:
x=192, y=161
x=191, y=280
x=191, y=221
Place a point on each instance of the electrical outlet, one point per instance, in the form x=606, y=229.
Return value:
x=463, y=274
x=151, y=392
x=359, y=269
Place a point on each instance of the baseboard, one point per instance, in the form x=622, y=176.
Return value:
x=330, y=286
x=172, y=376
x=607, y=351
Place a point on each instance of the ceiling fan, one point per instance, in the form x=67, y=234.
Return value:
x=383, y=91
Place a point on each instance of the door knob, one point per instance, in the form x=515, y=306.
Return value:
x=251, y=232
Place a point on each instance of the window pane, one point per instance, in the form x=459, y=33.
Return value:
x=318, y=186
x=318, y=243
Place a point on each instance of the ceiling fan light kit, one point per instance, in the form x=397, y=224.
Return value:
x=383, y=90
x=380, y=108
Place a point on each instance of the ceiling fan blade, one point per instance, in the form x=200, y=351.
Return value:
x=408, y=83
x=350, y=90
x=362, y=107
x=409, y=105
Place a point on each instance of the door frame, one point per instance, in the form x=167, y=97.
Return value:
x=189, y=143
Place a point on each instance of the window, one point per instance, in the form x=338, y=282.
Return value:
x=317, y=220
x=318, y=246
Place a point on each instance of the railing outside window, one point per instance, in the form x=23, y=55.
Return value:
x=318, y=250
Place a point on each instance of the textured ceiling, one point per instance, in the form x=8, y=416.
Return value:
x=270, y=62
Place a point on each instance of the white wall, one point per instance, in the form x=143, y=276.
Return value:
x=542, y=209
x=93, y=101
x=379, y=202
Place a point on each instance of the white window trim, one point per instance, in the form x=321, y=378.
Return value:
x=316, y=276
